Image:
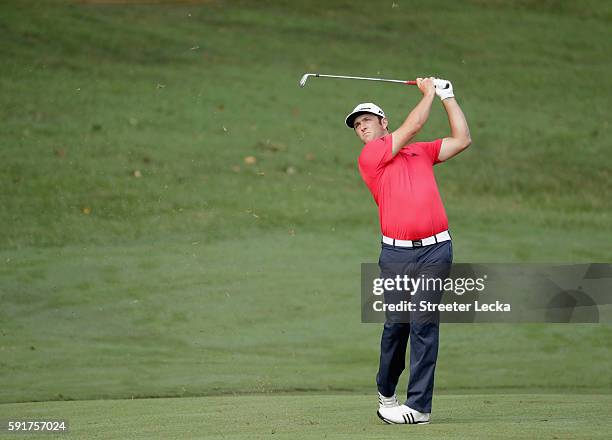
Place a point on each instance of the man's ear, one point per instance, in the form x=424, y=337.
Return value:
x=384, y=122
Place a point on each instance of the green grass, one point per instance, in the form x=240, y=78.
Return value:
x=130, y=321
x=208, y=276
x=342, y=416
x=86, y=108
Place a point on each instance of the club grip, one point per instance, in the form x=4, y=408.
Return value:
x=410, y=83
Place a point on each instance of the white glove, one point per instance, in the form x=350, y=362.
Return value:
x=444, y=88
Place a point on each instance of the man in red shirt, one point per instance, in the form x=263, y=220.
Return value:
x=415, y=237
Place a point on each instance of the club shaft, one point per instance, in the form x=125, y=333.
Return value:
x=366, y=78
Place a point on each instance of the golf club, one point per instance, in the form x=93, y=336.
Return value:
x=320, y=75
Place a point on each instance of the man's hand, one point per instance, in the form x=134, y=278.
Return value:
x=426, y=85
x=444, y=88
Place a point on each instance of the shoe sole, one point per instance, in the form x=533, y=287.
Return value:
x=390, y=422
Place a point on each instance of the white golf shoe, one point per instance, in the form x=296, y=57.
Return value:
x=402, y=415
x=387, y=402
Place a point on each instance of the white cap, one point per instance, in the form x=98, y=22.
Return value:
x=364, y=107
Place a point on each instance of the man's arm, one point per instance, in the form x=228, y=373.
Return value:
x=417, y=117
x=460, y=138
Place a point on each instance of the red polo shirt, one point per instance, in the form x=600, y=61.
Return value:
x=404, y=188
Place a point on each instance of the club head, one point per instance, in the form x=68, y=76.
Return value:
x=304, y=78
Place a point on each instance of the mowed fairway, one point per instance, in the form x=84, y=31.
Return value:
x=183, y=226
x=499, y=416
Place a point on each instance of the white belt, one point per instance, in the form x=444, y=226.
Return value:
x=438, y=238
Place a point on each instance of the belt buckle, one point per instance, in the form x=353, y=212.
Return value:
x=417, y=243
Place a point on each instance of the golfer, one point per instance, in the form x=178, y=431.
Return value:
x=415, y=237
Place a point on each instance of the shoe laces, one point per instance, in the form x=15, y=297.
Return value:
x=388, y=402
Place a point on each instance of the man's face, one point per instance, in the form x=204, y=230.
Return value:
x=369, y=127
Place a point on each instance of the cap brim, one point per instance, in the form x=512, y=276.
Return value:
x=350, y=119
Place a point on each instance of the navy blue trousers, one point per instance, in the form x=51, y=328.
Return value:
x=420, y=328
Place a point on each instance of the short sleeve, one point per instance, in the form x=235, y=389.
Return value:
x=375, y=155
x=432, y=149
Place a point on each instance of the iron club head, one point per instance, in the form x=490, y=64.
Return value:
x=304, y=78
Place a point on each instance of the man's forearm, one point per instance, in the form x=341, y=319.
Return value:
x=413, y=123
x=456, y=119
x=419, y=115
